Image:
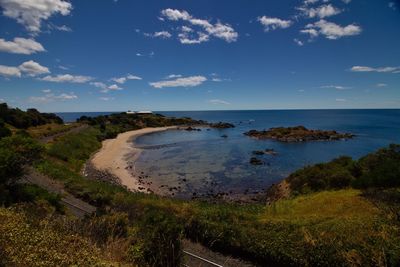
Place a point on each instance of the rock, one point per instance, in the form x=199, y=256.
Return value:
x=297, y=134
x=221, y=125
x=224, y=136
x=256, y=161
x=258, y=152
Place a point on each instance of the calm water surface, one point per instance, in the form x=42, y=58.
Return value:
x=206, y=161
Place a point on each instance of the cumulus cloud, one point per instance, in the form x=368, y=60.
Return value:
x=372, y=69
x=331, y=30
x=190, y=81
x=30, y=13
x=67, y=78
x=270, y=23
x=7, y=71
x=219, y=102
x=207, y=29
x=99, y=85
x=32, y=68
x=21, y=46
x=320, y=12
x=122, y=80
x=114, y=87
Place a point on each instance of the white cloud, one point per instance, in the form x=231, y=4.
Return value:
x=106, y=98
x=21, y=46
x=46, y=91
x=33, y=68
x=270, y=23
x=381, y=84
x=392, y=5
x=298, y=42
x=99, y=85
x=63, y=28
x=207, y=29
x=219, y=102
x=331, y=30
x=323, y=11
x=341, y=100
x=8, y=71
x=67, y=78
x=114, y=87
x=172, y=76
x=338, y=87
x=161, y=34
x=122, y=80
x=180, y=82
x=371, y=69
x=185, y=38
x=52, y=97
x=30, y=13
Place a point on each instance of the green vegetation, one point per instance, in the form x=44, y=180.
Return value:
x=22, y=120
x=297, y=134
x=376, y=170
x=111, y=125
x=324, y=222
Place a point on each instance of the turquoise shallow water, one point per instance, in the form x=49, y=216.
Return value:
x=203, y=161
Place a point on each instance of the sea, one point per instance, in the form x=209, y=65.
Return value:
x=204, y=161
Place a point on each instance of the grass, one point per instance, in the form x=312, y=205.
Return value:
x=337, y=228
x=27, y=240
x=50, y=129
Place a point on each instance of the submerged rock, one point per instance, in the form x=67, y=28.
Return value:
x=222, y=125
x=256, y=161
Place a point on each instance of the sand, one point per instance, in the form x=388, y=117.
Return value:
x=113, y=155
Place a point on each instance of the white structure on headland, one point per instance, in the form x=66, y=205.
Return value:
x=139, y=112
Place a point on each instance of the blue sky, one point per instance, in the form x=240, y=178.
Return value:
x=199, y=55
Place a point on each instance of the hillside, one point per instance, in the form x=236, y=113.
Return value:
x=343, y=213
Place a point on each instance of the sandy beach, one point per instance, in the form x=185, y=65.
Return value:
x=112, y=157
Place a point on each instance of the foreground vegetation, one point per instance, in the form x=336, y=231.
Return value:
x=348, y=219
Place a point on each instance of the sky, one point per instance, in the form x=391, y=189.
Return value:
x=116, y=55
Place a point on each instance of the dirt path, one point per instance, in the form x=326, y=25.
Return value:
x=50, y=138
x=196, y=255
x=74, y=205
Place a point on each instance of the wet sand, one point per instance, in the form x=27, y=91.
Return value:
x=114, y=154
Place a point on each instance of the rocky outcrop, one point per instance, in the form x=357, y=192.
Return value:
x=298, y=134
x=221, y=125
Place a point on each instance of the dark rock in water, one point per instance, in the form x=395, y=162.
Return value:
x=268, y=151
x=222, y=125
x=256, y=161
x=224, y=136
x=297, y=134
x=190, y=129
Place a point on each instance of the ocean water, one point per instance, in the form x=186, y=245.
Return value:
x=203, y=161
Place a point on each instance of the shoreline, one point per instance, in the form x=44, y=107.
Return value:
x=113, y=157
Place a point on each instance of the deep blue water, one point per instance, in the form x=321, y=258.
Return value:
x=209, y=162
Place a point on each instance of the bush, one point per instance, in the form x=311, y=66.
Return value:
x=159, y=240
x=380, y=169
x=15, y=152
